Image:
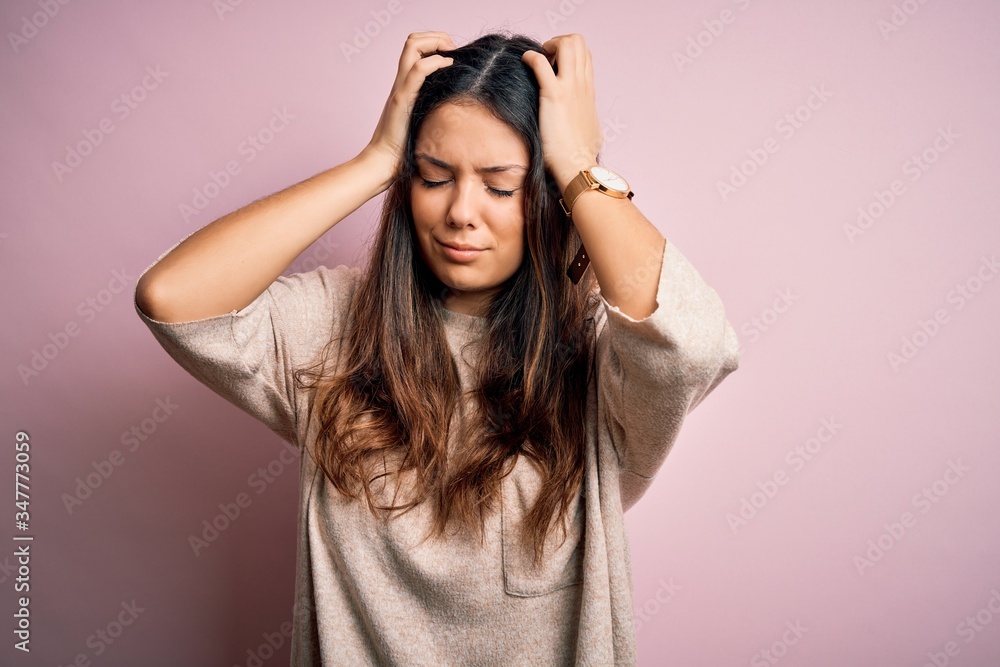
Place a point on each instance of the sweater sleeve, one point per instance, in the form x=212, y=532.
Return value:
x=249, y=356
x=653, y=372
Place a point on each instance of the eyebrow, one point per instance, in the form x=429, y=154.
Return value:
x=479, y=170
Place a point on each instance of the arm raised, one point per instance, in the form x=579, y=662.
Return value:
x=228, y=263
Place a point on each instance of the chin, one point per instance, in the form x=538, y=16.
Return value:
x=457, y=284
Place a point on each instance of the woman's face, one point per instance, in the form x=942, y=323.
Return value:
x=467, y=193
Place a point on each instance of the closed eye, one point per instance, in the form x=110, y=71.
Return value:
x=494, y=191
x=501, y=193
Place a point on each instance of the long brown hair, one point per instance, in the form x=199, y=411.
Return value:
x=398, y=387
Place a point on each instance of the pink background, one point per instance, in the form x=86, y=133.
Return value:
x=708, y=591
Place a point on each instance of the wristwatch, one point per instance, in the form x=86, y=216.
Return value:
x=597, y=178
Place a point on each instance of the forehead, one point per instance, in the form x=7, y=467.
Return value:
x=468, y=135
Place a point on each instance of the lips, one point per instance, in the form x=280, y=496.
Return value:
x=461, y=253
x=459, y=246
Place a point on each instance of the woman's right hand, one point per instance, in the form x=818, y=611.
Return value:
x=389, y=140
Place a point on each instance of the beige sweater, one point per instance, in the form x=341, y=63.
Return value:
x=366, y=593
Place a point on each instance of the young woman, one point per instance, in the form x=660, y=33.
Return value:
x=475, y=409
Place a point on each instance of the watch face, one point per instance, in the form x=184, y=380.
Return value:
x=609, y=179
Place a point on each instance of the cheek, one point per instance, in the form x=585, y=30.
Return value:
x=511, y=237
x=422, y=208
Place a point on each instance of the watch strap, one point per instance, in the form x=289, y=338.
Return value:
x=576, y=187
x=580, y=184
x=579, y=265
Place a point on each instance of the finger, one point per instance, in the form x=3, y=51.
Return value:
x=586, y=59
x=539, y=64
x=569, y=52
x=550, y=51
x=421, y=69
x=442, y=39
x=436, y=41
x=419, y=44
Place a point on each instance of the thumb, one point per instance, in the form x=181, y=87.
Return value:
x=539, y=64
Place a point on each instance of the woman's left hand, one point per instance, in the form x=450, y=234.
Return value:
x=567, y=113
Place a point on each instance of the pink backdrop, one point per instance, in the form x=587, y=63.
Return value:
x=826, y=165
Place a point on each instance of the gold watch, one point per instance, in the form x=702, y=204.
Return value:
x=597, y=178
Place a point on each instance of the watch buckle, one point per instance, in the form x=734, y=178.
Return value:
x=562, y=204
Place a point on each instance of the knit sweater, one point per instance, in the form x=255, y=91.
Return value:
x=369, y=592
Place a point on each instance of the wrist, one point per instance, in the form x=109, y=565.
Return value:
x=595, y=177
x=565, y=173
x=380, y=165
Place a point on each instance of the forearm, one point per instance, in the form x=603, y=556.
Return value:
x=228, y=263
x=624, y=248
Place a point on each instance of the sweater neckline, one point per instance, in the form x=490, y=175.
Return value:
x=458, y=320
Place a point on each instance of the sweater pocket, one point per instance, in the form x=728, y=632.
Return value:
x=561, y=565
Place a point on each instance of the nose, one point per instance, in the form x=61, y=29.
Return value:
x=462, y=207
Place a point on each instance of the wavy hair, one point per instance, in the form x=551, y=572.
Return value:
x=397, y=386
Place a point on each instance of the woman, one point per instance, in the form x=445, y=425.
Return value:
x=475, y=416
